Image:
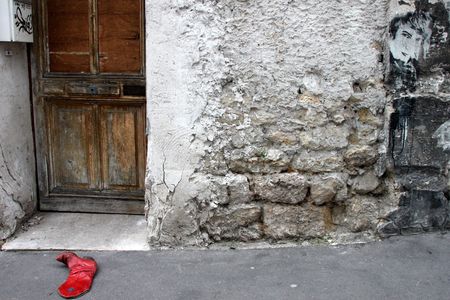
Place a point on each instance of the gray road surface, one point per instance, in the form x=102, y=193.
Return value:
x=413, y=267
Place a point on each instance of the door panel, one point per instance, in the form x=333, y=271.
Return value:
x=68, y=26
x=70, y=62
x=122, y=129
x=119, y=36
x=72, y=146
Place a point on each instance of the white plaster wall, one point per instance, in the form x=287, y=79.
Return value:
x=17, y=166
x=172, y=110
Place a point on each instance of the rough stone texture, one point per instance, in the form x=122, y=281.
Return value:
x=17, y=173
x=257, y=92
x=362, y=213
x=232, y=188
x=289, y=188
x=330, y=187
x=317, y=161
x=326, y=138
x=257, y=160
x=366, y=183
x=236, y=223
x=360, y=156
x=298, y=222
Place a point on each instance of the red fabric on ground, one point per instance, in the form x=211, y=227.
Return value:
x=81, y=274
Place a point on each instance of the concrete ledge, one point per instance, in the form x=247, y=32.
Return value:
x=81, y=231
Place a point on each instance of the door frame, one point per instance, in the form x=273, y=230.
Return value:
x=45, y=86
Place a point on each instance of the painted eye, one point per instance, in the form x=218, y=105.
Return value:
x=406, y=34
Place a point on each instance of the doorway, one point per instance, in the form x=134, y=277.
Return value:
x=89, y=105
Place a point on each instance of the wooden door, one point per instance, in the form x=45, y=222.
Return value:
x=90, y=105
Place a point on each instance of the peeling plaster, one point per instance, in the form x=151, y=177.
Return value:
x=242, y=89
x=285, y=93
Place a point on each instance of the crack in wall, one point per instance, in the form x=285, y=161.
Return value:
x=11, y=195
x=6, y=165
x=9, y=181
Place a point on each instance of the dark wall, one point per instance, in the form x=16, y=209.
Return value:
x=419, y=137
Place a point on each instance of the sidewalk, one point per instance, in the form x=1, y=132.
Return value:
x=413, y=267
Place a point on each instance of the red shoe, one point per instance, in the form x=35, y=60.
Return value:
x=81, y=274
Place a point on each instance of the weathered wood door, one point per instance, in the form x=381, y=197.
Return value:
x=90, y=105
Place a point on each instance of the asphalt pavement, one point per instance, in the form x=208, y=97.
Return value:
x=409, y=267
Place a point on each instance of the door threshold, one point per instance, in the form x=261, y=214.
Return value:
x=81, y=231
x=69, y=203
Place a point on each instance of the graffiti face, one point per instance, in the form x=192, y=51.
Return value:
x=409, y=43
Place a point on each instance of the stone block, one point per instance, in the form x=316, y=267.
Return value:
x=331, y=137
x=360, y=156
x=366, y=183
x=325, y=188
x=257, y=160
x=236, y=222
x=288, y=188
x=318, y=161
x=232, y=188
x=238, y=188
x=244, y=234
x=289, y=221
x=283, y=138
x=361, y=213
x=324, y=192
x=309, y=114
x=209, y=189
x=365, y=135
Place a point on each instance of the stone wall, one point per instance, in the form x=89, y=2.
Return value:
x=267, y=120
x=276, y=120
x=17, y=168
